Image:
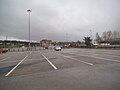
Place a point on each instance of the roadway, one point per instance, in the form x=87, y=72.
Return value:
x=69, y=69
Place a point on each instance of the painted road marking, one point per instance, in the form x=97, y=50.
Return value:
x=10, y=61
x=101, y=58
x=19, y=60
x=15, y=66
x=4, y=59
x=31, y=52
x=108, y=55
x=76, y=59
x=50, y=62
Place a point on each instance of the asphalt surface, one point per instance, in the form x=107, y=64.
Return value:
x=69, y=69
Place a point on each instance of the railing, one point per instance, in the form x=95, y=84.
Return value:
x=25, y=49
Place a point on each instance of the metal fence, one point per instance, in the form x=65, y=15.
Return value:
x=109, y=46
x=25, y=49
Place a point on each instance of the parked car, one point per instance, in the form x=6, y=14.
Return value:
x=46, y=47
x=3, y=50
x=58, y=48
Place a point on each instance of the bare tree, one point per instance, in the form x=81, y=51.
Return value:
x=98, y=38
x=109, y=36
x=116, y=34
x=112, y=37
x=104, y=36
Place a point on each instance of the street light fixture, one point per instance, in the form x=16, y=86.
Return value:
x=29, y=24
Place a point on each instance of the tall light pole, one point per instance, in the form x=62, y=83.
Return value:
x=29, y=24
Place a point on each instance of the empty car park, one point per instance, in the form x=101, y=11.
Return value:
x=69, y=69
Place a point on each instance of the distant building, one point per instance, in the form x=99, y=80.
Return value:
x=77, y=44
x=45, y=43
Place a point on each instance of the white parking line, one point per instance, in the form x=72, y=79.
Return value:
x=19, y=60
x=101, y=58
x=31, y=52
x=107, y=55
x=10, y=61
x=50, y=63
x=4, y=59
x=15, y=66
x=76, y=59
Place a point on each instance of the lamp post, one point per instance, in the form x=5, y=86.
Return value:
x=29, y=24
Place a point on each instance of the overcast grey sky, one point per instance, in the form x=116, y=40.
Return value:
x=58, y=19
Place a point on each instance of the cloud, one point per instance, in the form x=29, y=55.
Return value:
x=52, y=19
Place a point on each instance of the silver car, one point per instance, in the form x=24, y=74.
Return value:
x=58, y=48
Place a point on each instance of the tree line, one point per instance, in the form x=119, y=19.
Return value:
x=112, y=37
